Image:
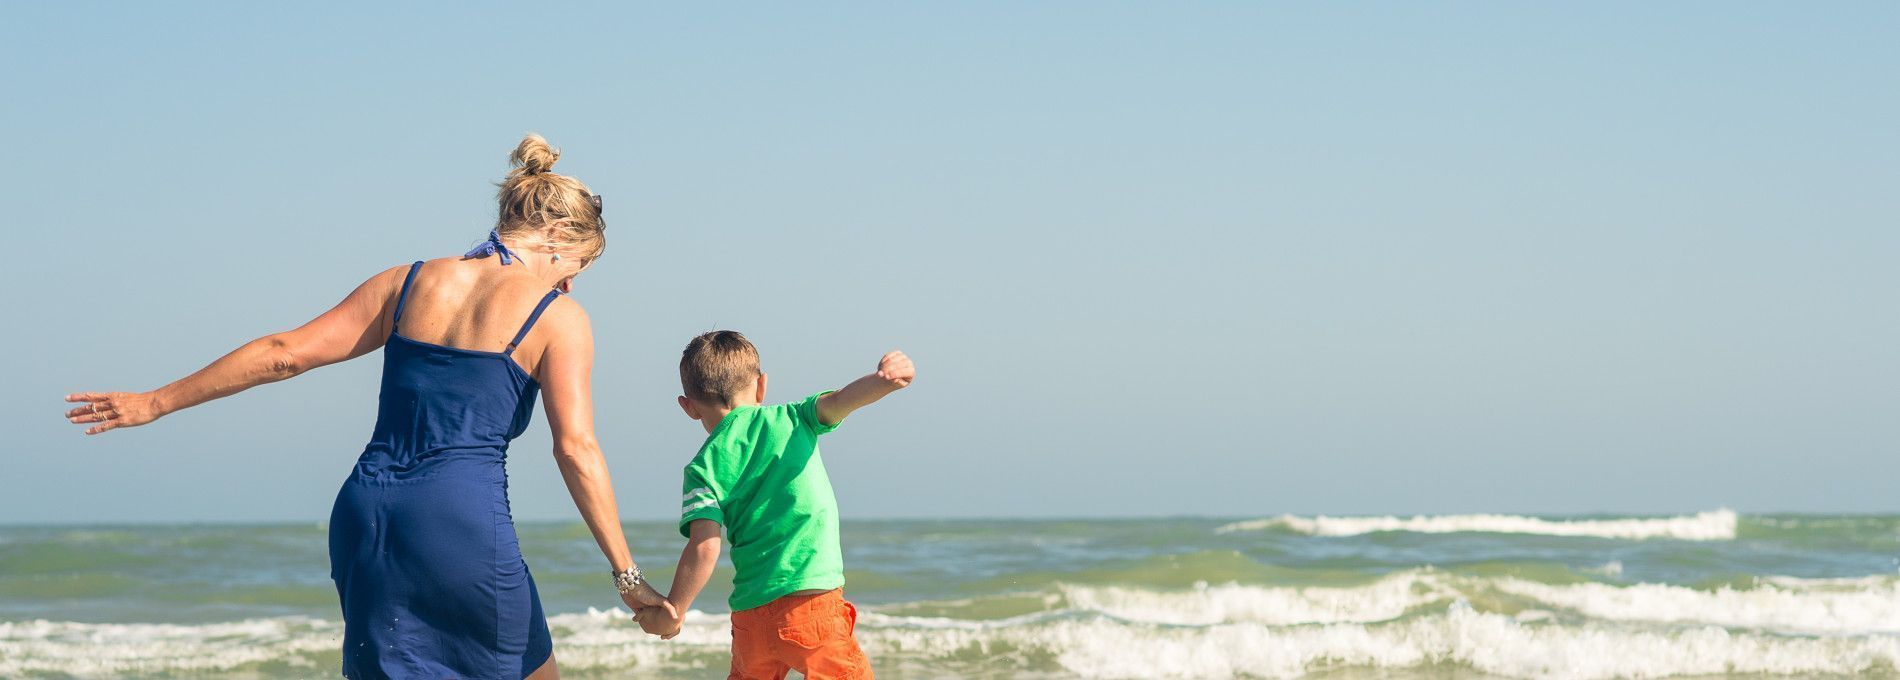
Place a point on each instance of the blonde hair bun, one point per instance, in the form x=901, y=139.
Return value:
x=533, y=156
x=546, y=208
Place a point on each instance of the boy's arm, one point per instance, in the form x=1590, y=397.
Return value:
x=894, y=372
x=696, y=568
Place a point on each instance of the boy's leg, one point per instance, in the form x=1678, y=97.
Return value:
x=754, y=637
x=818, y=638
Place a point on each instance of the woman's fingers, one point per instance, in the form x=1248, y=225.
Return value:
x=89, y=402
x=99, y=409
x=103, y=411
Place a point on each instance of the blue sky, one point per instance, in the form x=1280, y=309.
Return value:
x=1151, y=259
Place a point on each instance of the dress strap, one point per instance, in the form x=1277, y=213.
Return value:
x=403, y=296
x=525, y=327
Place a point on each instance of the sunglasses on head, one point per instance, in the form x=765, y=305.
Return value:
x=594, y=199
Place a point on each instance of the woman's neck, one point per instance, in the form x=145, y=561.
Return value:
x=538, y=262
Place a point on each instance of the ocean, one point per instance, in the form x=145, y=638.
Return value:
x=1469, y=596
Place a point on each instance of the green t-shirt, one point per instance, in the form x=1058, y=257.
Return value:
x=759, y=476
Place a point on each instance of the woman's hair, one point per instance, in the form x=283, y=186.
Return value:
x=541, y=207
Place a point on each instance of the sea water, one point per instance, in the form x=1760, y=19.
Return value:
x=1706, y=594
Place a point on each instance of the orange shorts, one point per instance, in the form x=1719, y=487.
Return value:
x=811, y=633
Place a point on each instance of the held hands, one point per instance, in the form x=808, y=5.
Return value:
x=653, y=610
x=112, y=410
x=896, y=370
x=662, y=621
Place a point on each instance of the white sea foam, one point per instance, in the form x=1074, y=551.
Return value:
x=1833, y=606
x=1874, y=608
x=1798, y=583
x=1489, y=643
x=608, y=640
x=1404, y=620
x=117, y=649
x=1100, y=647
x=1715, y=525
x=1388, y=598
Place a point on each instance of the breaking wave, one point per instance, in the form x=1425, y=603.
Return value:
x=1413, y=619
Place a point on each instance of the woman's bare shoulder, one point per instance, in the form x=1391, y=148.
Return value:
x=566, y=316
x=382, y=284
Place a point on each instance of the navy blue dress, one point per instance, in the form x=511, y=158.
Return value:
x=422, y=544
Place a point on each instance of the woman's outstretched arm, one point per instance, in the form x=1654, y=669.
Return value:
x=356, y=326
x=565, y=373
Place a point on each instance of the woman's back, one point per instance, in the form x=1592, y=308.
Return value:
x=452, y=394
x=474, y=304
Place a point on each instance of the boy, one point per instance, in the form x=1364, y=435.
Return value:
x=759, y=476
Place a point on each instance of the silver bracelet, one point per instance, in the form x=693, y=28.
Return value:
x=629, y=580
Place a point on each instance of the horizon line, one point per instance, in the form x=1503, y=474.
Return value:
x=978, y=518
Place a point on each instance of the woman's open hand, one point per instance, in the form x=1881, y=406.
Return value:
x=112, y=410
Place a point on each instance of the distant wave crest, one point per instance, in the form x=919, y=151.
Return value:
x=1714, y=525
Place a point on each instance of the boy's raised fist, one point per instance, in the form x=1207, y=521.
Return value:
x=896, y=369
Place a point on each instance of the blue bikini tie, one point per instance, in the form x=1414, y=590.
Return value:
x=492, y=246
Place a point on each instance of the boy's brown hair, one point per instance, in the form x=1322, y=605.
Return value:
x=717, y=366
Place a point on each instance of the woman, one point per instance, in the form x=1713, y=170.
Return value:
x=422, y=544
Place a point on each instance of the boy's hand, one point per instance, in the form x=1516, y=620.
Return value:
x=896, y=369
x=894, y=372
x=662, y=621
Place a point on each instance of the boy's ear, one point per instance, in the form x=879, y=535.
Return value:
x=691, y=409
x=760, y=397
